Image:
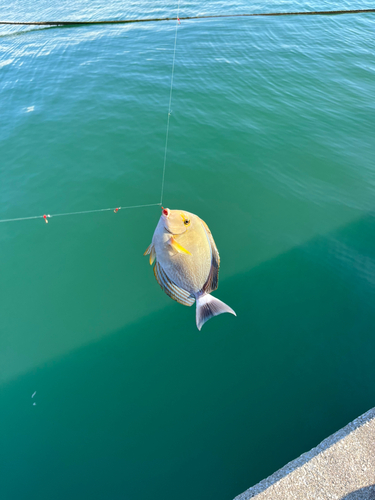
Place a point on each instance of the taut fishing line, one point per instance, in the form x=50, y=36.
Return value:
x=170, y=104
x=116, y=209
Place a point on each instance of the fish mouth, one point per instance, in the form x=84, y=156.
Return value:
x=173, y=233
x=165, y=212
x=164, y=216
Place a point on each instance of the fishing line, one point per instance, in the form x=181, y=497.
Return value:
x=177, y=19
x=170, y=103
x=49, y=216
x=127, y=21
x=116, y=209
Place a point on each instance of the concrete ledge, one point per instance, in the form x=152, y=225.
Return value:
x=342, y=467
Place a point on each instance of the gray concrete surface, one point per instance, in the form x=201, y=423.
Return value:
x=342, y=467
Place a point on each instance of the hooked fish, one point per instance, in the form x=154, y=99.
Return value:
x=187, y=263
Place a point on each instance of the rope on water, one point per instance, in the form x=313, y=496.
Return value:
x=170, y=104
x=127, y=21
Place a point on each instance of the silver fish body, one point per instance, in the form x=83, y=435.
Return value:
x=187, y=262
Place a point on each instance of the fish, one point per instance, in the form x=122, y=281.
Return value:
x=187, y=263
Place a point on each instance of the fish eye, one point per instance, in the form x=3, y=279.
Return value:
x=186, y=222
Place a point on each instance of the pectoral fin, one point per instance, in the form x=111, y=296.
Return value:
x=150, y=251
x=179, y=248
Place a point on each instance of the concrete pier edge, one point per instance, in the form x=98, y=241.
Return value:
x=340, y=467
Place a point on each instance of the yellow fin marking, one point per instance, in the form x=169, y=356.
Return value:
x=148, y=250
x=152, y=255
x=151, y=252
x=179, y=248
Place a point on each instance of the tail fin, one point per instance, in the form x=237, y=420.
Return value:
x=207, y=307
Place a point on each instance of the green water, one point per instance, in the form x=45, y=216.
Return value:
x=272, y=144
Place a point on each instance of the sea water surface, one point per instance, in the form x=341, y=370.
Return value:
x=272, y=144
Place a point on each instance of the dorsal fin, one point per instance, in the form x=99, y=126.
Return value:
x=213, y=278
x=171, y=289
